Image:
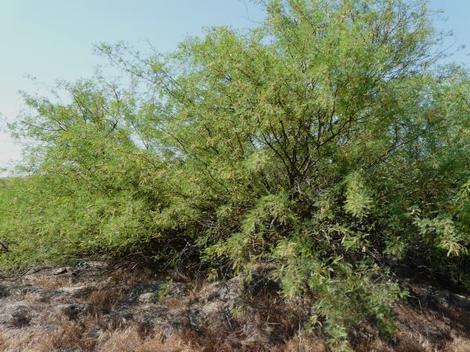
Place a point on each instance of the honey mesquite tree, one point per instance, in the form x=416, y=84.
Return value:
x=327, y=142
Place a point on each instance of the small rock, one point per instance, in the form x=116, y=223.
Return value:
x=176, y=289
x=73, y=310
x=121, y=315
x=21, y=316
x=462, y=302
x=76, y=291
x=90, y=265
x=143, y=288
x=149, y=297
x=212, y=308
x=60, y=271
x=4, y=291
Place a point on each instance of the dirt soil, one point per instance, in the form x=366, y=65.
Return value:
x=96, y=306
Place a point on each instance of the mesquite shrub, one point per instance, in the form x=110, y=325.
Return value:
x=328, y=142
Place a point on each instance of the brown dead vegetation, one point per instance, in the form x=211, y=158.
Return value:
x=258, y=318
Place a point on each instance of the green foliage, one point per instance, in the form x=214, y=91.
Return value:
x=163, y=290
x=358, y=201
x=325, y=142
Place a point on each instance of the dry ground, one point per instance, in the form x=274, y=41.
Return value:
x=99, y=307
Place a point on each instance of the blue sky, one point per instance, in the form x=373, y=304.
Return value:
x=53, y=39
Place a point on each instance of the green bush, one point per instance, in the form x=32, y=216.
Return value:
x=327, y=142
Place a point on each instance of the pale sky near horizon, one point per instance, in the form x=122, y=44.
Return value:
x=53, y=39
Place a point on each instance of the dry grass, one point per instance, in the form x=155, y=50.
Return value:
x=48, y=282
x=69, y=337
x=459, y=345
x=130, y=339
x=103, y=300
x=76, y=337
x=261, y=322
x=90, y=335
x=300, y=344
